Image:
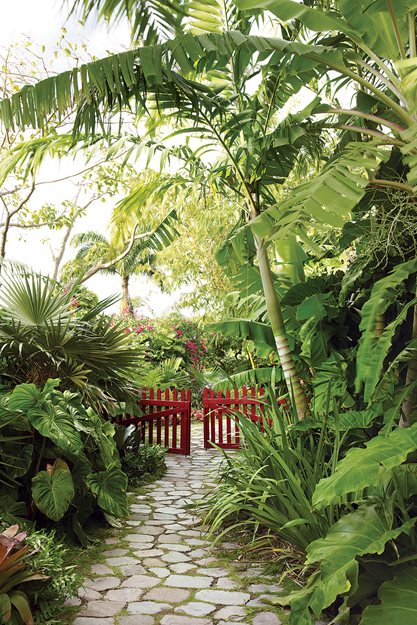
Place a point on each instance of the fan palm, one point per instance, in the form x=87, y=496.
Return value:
x=41, y=338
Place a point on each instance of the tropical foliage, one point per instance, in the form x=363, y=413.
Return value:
x=42, y=338
x=317, y=243
x=58, y=459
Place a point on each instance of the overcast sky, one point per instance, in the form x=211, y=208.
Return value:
x=41, y=21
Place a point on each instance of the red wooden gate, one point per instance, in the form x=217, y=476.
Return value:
x=166, y=420
x=221, y=414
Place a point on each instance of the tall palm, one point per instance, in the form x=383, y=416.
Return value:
x=93, y=247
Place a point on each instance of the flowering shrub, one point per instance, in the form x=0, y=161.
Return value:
x=168, y=337
x=179, y=352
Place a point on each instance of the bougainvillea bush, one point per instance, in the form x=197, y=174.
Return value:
x=181, y=352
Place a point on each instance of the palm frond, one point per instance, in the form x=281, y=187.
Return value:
x=151, y=21
x=27, y=298
x=41, y=338
x=347, y=176
x=152, y=73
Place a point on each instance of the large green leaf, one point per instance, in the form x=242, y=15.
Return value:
x=380, y=350
x=24, y=397
x=364, y=531
x=384, y=293
x=313, y=307
x=146, y=71
x=53, y=490
x=109, y=487
x=16, y=458
x=56, y=424
x=260, y=333
x=352, y=419
x=368, y=23
x=366, y=467
x=398, y=600
x=331, y=382
x=251, y=377
x=328, y=198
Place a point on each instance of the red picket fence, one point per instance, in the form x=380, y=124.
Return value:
x=166, y=420
x=220, y=420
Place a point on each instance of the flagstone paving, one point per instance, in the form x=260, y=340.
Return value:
x=164, y=570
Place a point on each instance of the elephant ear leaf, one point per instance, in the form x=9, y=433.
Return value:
x=24, y=397
x=398, y=600
x=363, y=531
x=57, y=425
x=109, y=487
x=53, y=490
x=363, y=467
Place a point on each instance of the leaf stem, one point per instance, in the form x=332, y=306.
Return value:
x=373, y=118
x=412, y=34
x=385, y=139
x=396, y=30
x=382, y=182
x=380, y=95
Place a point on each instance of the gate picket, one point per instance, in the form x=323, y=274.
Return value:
x=166, y=417
x=163, y=412
x=229, y=408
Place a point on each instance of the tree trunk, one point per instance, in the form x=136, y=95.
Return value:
x=125, y=303
x=278, y=328
x=57, y=258
x=3, y=239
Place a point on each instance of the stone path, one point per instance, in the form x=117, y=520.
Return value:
x=163, y=570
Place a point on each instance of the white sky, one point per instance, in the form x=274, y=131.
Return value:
x=41, y=21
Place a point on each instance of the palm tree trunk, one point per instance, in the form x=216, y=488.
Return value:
x=125, y=303
x=276, y=320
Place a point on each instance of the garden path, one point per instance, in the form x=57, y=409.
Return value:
x=164, y=570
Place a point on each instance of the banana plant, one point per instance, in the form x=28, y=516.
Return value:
x=379, y=40
x=256, y=151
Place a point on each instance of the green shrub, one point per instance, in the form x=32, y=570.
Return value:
x=42, y=336
x=145, y=462
x=59, y=458
x=346, y=498
x=269, y=484
x=365, y=566
x=51, y=557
